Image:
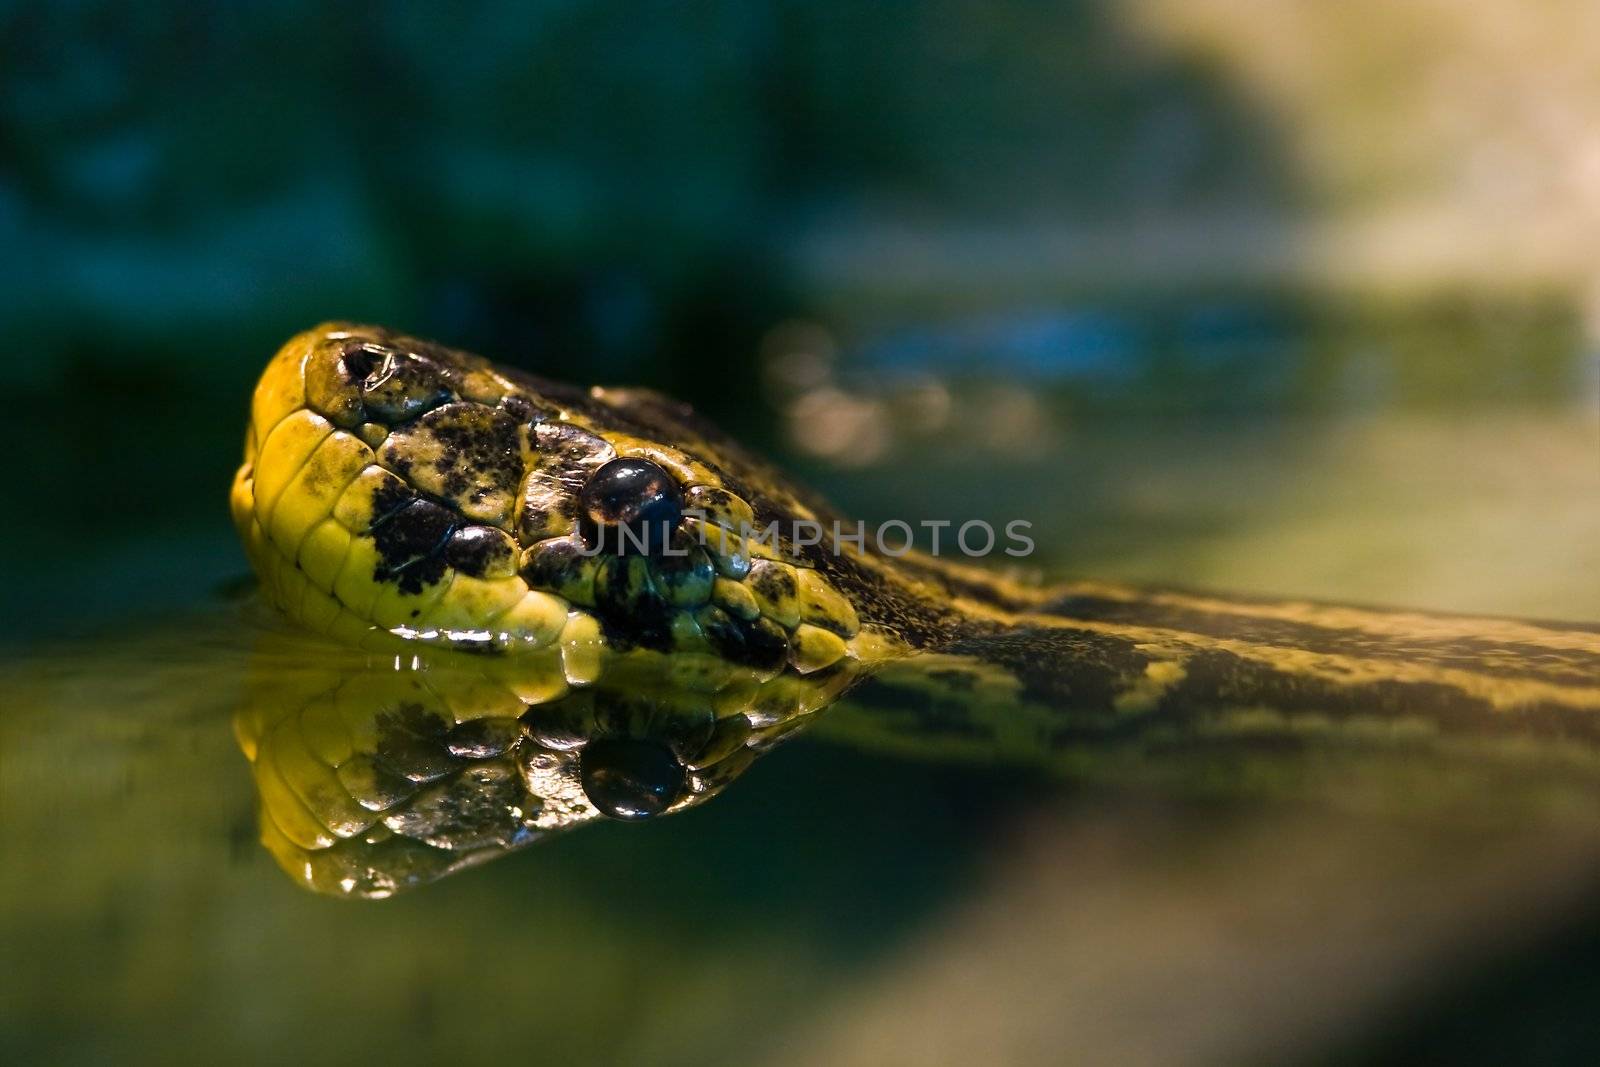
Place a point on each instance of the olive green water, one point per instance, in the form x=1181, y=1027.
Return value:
x=835, y=903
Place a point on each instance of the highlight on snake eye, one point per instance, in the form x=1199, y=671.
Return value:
x=1015, y=533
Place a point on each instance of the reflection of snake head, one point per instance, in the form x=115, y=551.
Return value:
x=394, y=485
x=376, y=776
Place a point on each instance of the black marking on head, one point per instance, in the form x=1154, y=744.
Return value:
x=554, y=564
x=387, y=499
x=478, y=450
x=572, y=452
x=473, y=550
x=547, y=498
x=684, y=575
x=774, y=583
x=409, y=543
x=631, y=610
x=400, y=464
x=466, y=454
x=520, y=408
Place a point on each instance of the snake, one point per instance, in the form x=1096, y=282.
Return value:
x=532, y=604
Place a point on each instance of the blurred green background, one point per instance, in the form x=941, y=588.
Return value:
x=1297, y=298
x=1000, y=219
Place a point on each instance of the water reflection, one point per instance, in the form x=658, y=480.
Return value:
x=381, y=772
x=378, y=774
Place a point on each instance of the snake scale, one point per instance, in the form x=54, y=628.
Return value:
x=556, y=609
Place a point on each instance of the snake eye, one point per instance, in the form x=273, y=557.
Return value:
x=630, y=780
x=637, y=495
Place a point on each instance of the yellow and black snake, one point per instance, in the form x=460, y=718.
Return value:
x=582, y=624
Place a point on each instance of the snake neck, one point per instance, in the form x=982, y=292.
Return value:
x=1088, y=648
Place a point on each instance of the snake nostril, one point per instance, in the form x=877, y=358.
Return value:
x=636, y=495
x=357, y=362
x=630, y=780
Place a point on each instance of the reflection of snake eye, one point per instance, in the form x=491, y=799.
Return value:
x=630, y=780
x=636, y=494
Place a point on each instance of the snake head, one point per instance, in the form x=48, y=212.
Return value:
x=395, y=488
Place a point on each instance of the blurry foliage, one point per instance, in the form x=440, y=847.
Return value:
x=608, y=185
x=1252, y=353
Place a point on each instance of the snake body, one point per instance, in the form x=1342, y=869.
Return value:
x=406, y=497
